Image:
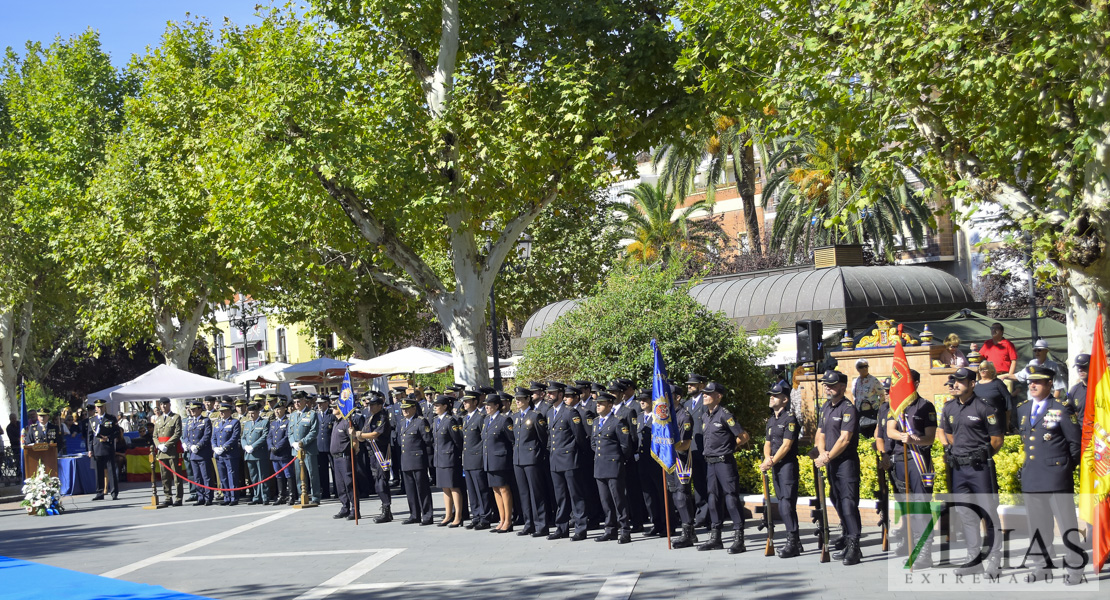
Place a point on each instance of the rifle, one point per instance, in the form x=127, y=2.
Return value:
x=768, y=521
x=884, y=501
x=822, y=516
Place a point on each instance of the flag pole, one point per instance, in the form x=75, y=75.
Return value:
x=666, y=508
x=354, y=477
x=906, y=476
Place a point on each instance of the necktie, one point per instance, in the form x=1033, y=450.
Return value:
x=1038, y=408
x=601, y=424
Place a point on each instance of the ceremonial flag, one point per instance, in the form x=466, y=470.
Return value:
x=662, y=410
x=902, y=389
x=346, y=395
x=1094, y=466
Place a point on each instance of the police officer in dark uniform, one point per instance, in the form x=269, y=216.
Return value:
x=395, y=420
x=325, y=421
x=197, y=439
x=415, y=436
x=722, y=434
x=911, y=436
x=586, y=400
x=572, y=397
x=1051, y=434
x=1077, y=395
x=972, y=432
x=225, y=445
x=530, y=467
x=568, y=441
x=497, y=460
x=678, y=481
x=696, y=407
x=339, y=446
x=374, y=436
x=103, y=432
x=648, y=470
x=628, y=409
x=612, y=445
x=280, y=452
x=42, y=431
x=477, y=486
x=838, y=442
x=883, y=447
x=447, y=441
x=780, y=456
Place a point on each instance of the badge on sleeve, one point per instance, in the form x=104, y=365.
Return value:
x=590, y=422
x=686, y=427
x=576, y=420
x=1074, y=419
x=427, y=429
x=731, y=422
x=932, y=418
x=951, y=419
x=991, y=419
x=790, y=427
x=847, y=417
x=509, y=426
x=624, y=430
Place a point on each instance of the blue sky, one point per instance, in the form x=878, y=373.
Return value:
x=126, y=26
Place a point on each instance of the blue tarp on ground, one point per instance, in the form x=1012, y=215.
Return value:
x=22, y=580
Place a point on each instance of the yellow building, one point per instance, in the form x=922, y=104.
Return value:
x=268, y=340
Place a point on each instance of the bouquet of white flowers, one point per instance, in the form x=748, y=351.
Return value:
x=42, y=494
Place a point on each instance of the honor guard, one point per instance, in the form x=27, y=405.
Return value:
x=415, y=435
x=648, y=470
x=226, y=434
x=611, y=443
x=375, y=435
x=911, y=436
x=780, y=456
x=197, y=439
x=678, y=481
x=303, y=428
x=722, y=434
x=530, y=436
x=695, y=405
x=838, y=443
x=281, y=453
x=167, y=435
x=972, y=432
x=103, y=433
x=256, y=432
x=340, y=448
x=477, y=486
x=1051, y=435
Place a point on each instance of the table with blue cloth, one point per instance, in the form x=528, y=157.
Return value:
x=77, y=475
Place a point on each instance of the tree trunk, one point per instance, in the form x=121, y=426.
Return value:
x=9, y=401
x=746, y=186
x=176, y=335
x=1085, y=287
x=463, y=319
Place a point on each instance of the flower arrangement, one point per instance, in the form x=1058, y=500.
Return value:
x=42, y=494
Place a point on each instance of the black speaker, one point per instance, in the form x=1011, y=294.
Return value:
x=809, y=334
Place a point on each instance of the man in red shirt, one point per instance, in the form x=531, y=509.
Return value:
x=1000, y=351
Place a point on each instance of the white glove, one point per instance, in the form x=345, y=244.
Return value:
x=162, y=447
x=194, y=448
x=296, y=446
x=219, y=450
x=249, y=449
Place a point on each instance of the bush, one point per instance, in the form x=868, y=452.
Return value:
x=609, y=336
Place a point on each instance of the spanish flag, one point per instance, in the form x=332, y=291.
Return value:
x=902, y=389
x=1094, y=466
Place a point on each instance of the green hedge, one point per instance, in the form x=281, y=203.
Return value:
x=1007, y=463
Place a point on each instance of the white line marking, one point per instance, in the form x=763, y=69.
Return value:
x=275, y=554
x=387, y=585
x=344, y=579
x=618, y=587
x=146, y=562
x=149, y=525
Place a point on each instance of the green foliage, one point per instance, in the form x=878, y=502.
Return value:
x=654, y=235
x=40, y=397
x=609, y=336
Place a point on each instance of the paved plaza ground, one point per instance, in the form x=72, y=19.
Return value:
x=261, y=552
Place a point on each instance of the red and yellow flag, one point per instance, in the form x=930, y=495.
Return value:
x=902, y=389
x=1094, y=466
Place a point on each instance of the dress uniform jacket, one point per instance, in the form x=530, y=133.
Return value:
x=303, y=428
x=379, y=424
x=226, y=434
x=529, y=438
x=103, y=432
x=447, y=442
x=1052, y=444
x=278, y=440
x=568, y=437
x=325, y=421
x=497, y=443
x=168, y=431
x=612, y=446
x=198, y=432
x=416, y=443
x=256, y=434
x=38, y=433
x=472, y=425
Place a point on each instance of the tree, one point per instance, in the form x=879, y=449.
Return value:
x=609, y=336
x=712, y=145
x=1004, y=104
x=815, y=183
x=1004, y=282
x=146, y=249
x=58, y=106
x=438, y=126
x=654, y=232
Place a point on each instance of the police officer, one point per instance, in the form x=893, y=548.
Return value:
x=256, y=431
x=568, y=441
x=648, y=470
x=103, y=433
x=415, y=435
x=281, y=453
x=1051, y=434
x=838, y=443
x=375, y=434
x=226, y=435
x=197, y=439
x=167, y=434
x=678, y=481
x=325, y=420
x=477, y=486
x=696, y=407
x=883, y=448
x=447, y=444
x=497, y=460
x=42, y=431
x=395, y=420
x=611, y=442
x=1077, y=395
x=722, y=434
x=586, y=400
x=303, y=429
x=530, y=467
x=780, y=456
x=972, y=432
x=911, y=435
x=340, y=448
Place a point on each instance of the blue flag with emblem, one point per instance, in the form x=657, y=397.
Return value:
x=346, y=395
x=662, y=414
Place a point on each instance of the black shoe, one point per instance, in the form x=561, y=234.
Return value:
x=443, y=524
x=410, y=521
x=607, y=536
x=853, y=556
x=199, y=503
x=526, y=531
x=840, y=543
x=557, y=535
x=454, y=525
x=713, y=543
x=974, y=569
x=208, y=502
x=233, y=503
x=426, y=523
x=178, y=503
x=688, y=538
x=165, y=504
x=470, y=525
x=792, y=548
x=542, y=533
x=480, y=526
x=637, y=528
x=509, y=530
x=98, y=497
x=737, y=546
x=625, y=538
x=256, y=501
x=341, y=514
x=352, y=517
x=578, y=537
x=385, y=517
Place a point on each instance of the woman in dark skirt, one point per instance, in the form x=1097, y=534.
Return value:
x=448, y=461
x=497, y=460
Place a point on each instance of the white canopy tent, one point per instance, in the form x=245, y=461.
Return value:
x=411, y=360
x=262, y=373
x=316, y=370
x=165, y=381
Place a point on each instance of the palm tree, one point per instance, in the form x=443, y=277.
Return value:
x=826, y=196
x=654, y=234
x=679, y=163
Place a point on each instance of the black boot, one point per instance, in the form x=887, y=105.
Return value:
x=852, y=553
x=792, y=548
x=689, y=538
x=283, y=491
x=293, y=497
x=385, y=517
x=737, y=543
x=714, y=542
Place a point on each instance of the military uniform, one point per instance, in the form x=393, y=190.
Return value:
x=379, y=452
x=39, y=433
x=629, y=411
x=256, y=451
x=1077, y=395
x=530, y=436
x=612, y=443
x=197, y=439
x=226, y=434
x=1051, y=435
x=103, y=433
x=782, y=427
x=497, y=449
x=167, y=434
x=719, y=431
x=280, y=454
x=567, y=441
x=302, y=435
x=415, y=435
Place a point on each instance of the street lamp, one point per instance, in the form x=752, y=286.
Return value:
x=244, y=321
x=524, y=250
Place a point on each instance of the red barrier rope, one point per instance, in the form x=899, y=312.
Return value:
x=245, y=487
